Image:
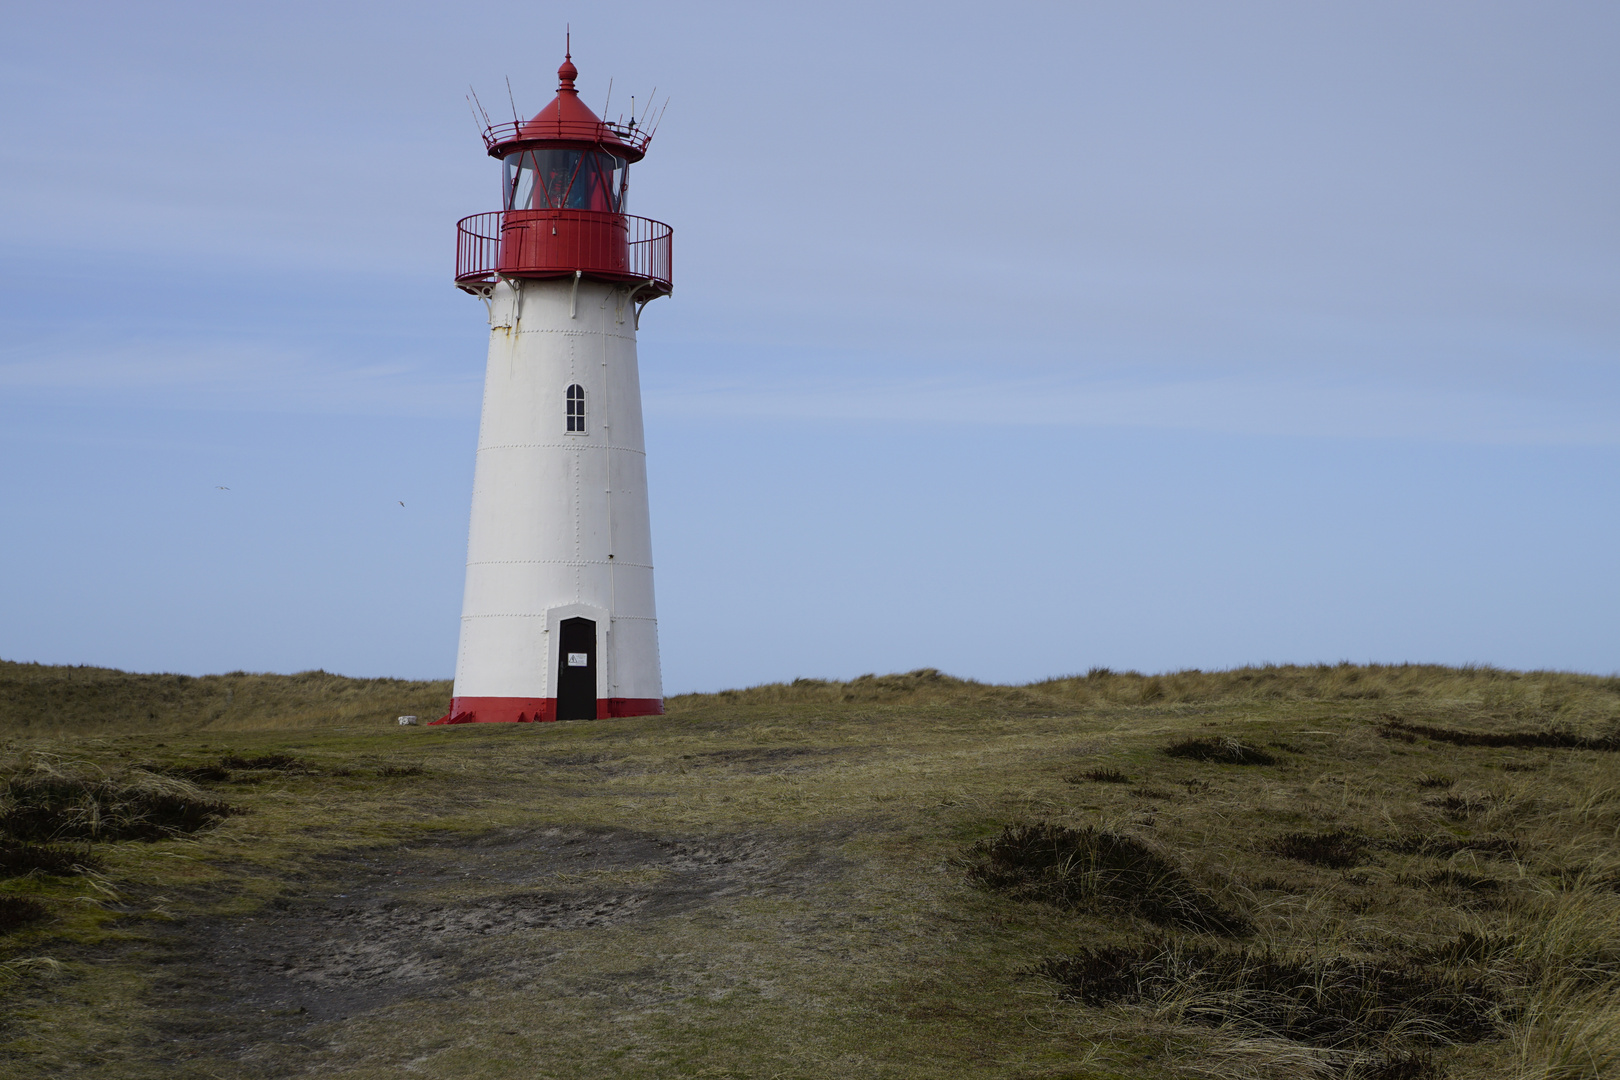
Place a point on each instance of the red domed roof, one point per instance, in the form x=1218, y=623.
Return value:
x=567, y=121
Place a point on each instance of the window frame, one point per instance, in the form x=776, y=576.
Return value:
x=574, y=410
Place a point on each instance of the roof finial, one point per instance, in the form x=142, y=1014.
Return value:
x=568, y=72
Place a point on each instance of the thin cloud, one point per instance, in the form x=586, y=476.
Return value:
x=221, y=375
x=1232, y=405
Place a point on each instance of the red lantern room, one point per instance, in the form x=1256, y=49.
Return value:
x=564, y=184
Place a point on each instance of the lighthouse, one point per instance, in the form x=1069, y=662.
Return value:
x=557, y=619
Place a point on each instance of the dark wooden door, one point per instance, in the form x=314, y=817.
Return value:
x=576, y=670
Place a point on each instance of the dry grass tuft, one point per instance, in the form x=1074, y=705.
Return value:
x=1100, y=776
x=1387, y=1011
x=1220, y=751
x=1462, y=880
x=1569, y=1031
x=48, y=801
x=1461, y=806
x=1335, y=850
x=1549, y=738
x=1447, y=845
x=1097, y=869
x=18, y=859
x=1400, y=1065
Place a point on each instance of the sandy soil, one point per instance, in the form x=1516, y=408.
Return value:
x=394, y=925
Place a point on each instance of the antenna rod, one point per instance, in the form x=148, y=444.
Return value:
x=515, y=121
x=480, y=105
x=658, y=122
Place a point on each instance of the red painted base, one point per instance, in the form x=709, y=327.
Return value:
x=519, y=710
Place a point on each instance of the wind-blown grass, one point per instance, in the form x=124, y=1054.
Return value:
x=18, y=859
x=897, y=854
x=1545, y=738
x=1098, y=869
x=1332, y=1003
x=1220, y=751
x=51, y=800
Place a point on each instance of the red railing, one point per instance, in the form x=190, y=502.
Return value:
x=559, y=243
x=559, y=130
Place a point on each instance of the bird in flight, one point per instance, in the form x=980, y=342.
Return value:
x=221, y=487
x=402, y=503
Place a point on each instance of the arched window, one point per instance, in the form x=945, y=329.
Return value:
x=576, y=409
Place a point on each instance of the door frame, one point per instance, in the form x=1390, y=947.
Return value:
x=604, y=656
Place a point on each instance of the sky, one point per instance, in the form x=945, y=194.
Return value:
x=1010, y=340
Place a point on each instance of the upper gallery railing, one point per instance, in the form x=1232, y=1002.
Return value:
x=561, y=243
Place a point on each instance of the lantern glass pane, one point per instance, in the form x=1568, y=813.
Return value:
x=561, y=179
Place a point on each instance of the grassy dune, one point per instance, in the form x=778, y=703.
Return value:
x=1360, y=872
x=44, y=700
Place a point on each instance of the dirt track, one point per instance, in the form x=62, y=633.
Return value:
x=396, y=925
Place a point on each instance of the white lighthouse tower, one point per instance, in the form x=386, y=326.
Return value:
x=557, y=620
